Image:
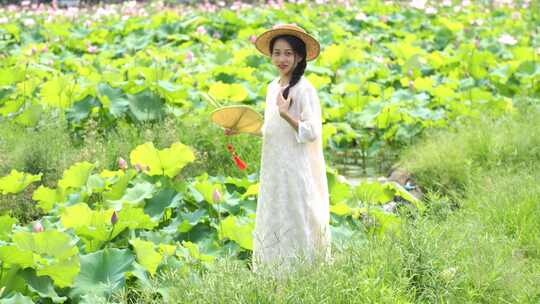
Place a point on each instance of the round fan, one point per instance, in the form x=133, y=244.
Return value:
x=241, y=118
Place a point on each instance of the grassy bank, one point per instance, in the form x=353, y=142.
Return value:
x=478, y=243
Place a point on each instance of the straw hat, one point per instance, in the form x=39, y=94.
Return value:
x=312, y=45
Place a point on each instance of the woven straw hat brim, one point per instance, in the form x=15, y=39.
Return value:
x=312, y=45
x=240, y=118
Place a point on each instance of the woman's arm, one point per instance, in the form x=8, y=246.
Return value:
x=293, y=122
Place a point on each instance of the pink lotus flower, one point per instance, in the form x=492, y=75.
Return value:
x=37, y=227
x=33, y=51
x=507, y=39
x=122, y=164
x=216, y=35
x=216, y=196
x=189, y=56
x=201, y=30
x=92, y=49
x=45, y=49
x=138, y=167
x=25, y=3
x=252, y=38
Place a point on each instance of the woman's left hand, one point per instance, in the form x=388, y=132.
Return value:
x=283, y=104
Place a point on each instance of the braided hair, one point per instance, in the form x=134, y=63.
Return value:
x=299, y=48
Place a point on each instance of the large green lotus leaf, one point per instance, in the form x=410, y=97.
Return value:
x=11, y=254
x=173, y=159
x=47, y=197
x=206, y=189
x=134, y=218
x=17, y=299
x=400, y=191
x=135, y=196
x=224, y=91
x=193, y=250
x=57, y=93
x=113, y=99
x=9, y=76
x=147, y=155
x=17, y=181
x=166, y=198
x=11, y=281
x=55, y=254
x=94, y=227
x=11, y=106
x=238, y=230
x=387, y=221
x=81, y=109
x=340, y=192
x=76, y=176
x=119, y=187
x=146, y=106
x=95, y=184
x=147, y=256
x=41, y=285
x=173, y=92
x=373, y=192
x=167, y=162
x=30, y=116
x=6, y=224
x=253, y=190
x=102, y=272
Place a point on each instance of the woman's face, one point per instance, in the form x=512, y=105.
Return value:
x=284, y=57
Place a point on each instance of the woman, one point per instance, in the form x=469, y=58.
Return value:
x=292, y=218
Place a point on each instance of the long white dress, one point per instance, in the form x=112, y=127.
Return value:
x=292, y=217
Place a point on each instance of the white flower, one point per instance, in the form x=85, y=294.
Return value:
x=430, y=10
x=419, y=4
x=447, y=3
x=29, y=22
x=507, y=39
x=361, y=17
x=4, y=20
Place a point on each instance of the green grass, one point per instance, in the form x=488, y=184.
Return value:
x=478, y=243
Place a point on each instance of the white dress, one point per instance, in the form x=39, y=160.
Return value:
x=292, y=217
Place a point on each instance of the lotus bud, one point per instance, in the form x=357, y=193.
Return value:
x=138, y=168
x=37, y=227
x=122, y=164
x=216, y=196
x=114, y=218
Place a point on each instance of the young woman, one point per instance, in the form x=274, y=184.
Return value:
x=292, y=218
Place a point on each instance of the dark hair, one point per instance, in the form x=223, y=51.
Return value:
x=299, y=47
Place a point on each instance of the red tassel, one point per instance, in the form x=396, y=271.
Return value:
x=239, y=163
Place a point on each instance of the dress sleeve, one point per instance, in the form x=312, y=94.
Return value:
x=309, y=124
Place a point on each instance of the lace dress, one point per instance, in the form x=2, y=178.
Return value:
x=292, y=217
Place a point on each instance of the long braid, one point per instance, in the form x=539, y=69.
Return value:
x=295, y=78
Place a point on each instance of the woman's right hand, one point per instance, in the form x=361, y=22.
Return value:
x=230, y=132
